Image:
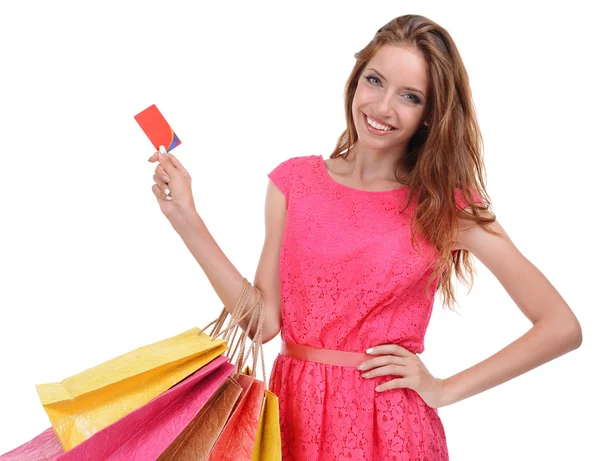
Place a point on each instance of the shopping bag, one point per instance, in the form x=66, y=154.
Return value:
x=237, y=439
x=268, y=436
x=87, y=402
x=44, y=446
x=146, y=432
x=197, y=439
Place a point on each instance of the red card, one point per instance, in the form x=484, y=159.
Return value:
x=157, y=129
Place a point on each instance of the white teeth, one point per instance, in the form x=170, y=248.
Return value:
x=379, y=126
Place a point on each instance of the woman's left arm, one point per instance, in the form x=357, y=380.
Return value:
x=555, y=329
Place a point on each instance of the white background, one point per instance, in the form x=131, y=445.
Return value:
x=91, y=269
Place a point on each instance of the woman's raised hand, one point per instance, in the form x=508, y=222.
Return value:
x=172, y=188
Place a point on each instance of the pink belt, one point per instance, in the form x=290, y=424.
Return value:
x=327, y=356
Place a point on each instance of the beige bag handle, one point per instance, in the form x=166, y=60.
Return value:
x=240, y=312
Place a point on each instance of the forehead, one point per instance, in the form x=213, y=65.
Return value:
x=401, y=65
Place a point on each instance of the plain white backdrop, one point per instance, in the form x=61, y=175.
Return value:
x=91, y=269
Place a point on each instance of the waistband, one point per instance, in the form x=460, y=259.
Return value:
x=326, y=356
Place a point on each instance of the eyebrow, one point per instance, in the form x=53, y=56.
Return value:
x=406, y=87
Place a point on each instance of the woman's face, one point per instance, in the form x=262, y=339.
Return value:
x=392, y=89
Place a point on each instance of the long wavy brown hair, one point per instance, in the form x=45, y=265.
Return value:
x=440, y=158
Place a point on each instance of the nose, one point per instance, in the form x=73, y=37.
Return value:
x=383, y=108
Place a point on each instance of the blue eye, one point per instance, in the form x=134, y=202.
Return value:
x=370, y=77
x=415, y=99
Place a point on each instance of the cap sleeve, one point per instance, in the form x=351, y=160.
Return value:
x=280, y=176
x=461, y=202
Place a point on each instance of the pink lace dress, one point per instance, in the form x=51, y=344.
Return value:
x=350, y=279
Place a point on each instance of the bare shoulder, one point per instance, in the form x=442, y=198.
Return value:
x=488, y=242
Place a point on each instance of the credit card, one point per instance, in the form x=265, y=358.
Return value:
x=156, y=128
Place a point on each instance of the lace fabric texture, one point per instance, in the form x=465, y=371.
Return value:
x=350, y=279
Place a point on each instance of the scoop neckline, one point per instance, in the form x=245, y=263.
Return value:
x=331, y=179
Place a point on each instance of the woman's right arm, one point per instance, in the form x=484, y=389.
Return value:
x=225, y=278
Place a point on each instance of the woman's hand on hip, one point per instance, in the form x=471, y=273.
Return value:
x=412, y=371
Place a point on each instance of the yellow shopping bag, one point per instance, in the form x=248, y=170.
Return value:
x=87, y=402
x=267, y=446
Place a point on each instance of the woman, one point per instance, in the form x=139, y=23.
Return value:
x=357, y=245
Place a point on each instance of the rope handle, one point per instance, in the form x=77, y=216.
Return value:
x=240, y=312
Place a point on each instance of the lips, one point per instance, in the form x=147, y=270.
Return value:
x=381, y=122
x=374, y=131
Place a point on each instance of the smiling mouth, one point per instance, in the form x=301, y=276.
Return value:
x=375, y=126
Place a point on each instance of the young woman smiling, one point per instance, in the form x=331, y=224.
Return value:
x=357, y=245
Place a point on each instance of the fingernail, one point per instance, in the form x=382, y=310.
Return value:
x=167, y=191
x=162, y=150
x=369, y=350
x=169, y=197
x=166, y=178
